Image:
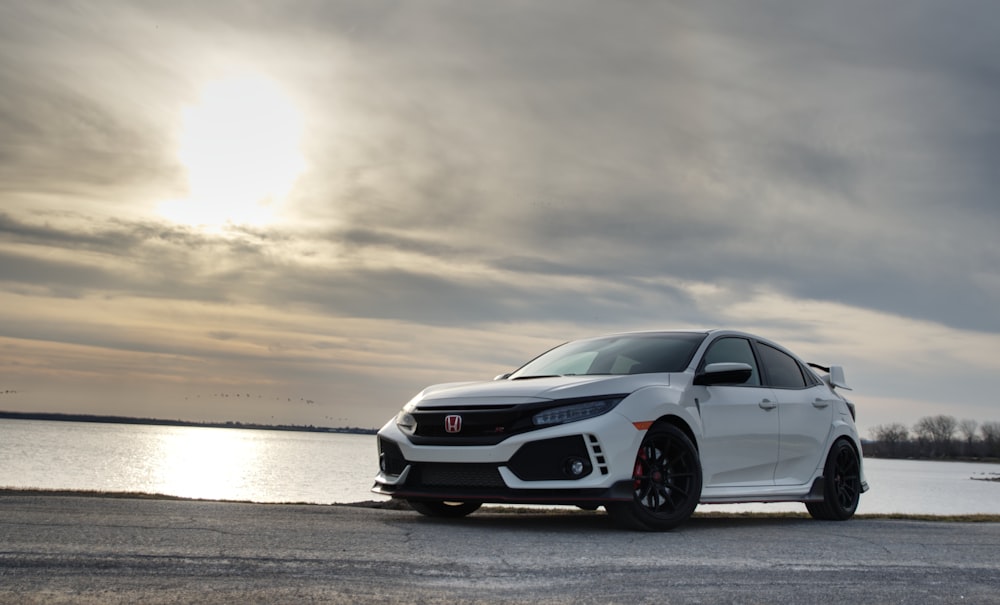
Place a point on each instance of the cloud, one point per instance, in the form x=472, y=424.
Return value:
x=512, y=175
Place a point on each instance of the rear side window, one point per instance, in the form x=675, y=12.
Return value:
x=783, y=372
x=730, y=350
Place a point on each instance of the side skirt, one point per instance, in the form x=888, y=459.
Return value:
x=795, y=493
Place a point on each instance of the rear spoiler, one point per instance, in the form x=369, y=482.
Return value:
x=834, y=376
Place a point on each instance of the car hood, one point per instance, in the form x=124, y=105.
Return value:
x=527, y=390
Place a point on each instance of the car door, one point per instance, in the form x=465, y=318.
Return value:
x=739, y=443
x=805, y=414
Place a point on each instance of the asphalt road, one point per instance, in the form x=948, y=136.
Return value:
x=98, y=550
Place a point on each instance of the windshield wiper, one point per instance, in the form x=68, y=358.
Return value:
x=561, y=375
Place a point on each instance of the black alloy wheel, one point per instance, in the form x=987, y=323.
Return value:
x=666, y=480
x=439, y=508
x=841, y=485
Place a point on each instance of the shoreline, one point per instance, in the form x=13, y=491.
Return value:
x=228, y=424
x=84, y=493
x=398, y=505
x=349, y=430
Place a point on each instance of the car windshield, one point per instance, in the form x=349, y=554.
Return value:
x=622, y=354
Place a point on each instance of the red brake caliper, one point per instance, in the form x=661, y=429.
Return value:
x=639, y=465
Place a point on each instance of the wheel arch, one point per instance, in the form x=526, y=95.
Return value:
x=681, y=424
x=845, y=433
x=850, y=441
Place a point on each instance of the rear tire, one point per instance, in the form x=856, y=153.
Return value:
x=666, y=481
x=439, y=508
x=841, y=485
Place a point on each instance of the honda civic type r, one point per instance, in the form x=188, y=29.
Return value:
x=646, y=424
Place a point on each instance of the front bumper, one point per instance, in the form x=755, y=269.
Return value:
x=577, y=463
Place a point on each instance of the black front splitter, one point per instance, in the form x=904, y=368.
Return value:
x=621, y=491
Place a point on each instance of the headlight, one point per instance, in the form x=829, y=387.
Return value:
x=406, y=422
x=575, y=412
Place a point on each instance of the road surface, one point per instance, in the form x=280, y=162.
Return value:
x=56, y=549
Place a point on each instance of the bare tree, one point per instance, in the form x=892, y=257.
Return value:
x=890, y=438
x=935, y=437
x=967, y=428
x=991, y=438
x=935, y=434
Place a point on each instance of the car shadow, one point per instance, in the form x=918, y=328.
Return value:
x=569, y=520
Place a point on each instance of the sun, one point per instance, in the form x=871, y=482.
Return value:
x=240, y=147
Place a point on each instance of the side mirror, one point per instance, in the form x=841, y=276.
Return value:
x=502, y=376
x=724, y=373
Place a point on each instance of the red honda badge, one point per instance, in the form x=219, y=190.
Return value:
x=452, y=423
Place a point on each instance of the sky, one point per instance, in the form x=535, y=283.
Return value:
x=304, y=212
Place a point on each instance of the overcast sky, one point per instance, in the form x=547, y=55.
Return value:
x=304, y=212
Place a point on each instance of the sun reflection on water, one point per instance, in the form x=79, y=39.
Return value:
x=186, y=461
x=208, y=462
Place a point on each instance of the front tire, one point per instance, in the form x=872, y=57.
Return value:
x=841, y=485
x=439, y=508
x=666, y=481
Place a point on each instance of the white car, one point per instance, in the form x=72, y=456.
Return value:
x=646, y=424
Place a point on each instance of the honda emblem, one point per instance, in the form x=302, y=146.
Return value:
x=452, y=423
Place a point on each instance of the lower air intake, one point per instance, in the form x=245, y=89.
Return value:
x=460, y=475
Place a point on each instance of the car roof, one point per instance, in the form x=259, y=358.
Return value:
x=706, y=331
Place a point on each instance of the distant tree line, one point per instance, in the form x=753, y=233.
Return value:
x=229, y=424
x=939, y=436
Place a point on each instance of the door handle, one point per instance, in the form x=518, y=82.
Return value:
x=767, y=404
x=820, y=403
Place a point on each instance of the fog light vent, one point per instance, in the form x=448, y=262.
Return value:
x=552, y=459
x=390, y=458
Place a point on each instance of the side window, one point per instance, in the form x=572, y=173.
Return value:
x=730, y=350
x=783, y=372
x=812, y=380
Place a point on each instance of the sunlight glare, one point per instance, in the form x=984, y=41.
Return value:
x=240, y=146
x=207, y=462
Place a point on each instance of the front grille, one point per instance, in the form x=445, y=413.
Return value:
x=482, y=424
x=485, y=425
x=457, y=475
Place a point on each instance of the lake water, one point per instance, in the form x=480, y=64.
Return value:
x=324, y=468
